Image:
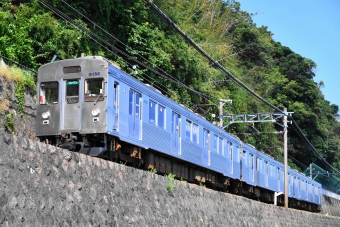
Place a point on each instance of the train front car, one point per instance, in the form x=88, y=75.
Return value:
x=72, y=104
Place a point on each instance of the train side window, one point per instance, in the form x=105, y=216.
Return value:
x=188, y=130
x=161, y=116
x=252, y=166
x=94, y=90
x=231, y=157
x=272, y=170
x=220, y=145
x=245, y=158
x=195, y=133
x=225, y=148
x=138, y=106
x=152, y=112
x=231, y=151
x=267, y=173
x=49, y=93
x=130, y=102
x=206, y=138
x=72, y=91
x=156, y=114
x=215, y=144
x=258, y=164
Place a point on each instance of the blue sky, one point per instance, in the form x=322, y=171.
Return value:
x=310, y=28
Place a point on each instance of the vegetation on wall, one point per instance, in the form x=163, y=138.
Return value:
x=32, y=35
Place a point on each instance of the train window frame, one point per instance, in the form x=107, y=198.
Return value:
x=135, y=104
x=157, y=114
x=96, y=93
x=52, y=96
x=72, y=99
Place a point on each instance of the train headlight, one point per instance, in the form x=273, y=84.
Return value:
x=45, y=115
x=95, y=112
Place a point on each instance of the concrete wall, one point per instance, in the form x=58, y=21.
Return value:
x=331, y=204
x=41, y=185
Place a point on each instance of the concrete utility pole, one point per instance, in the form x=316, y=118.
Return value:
x=285, y=151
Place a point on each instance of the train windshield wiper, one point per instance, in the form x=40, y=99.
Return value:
x=95, y=102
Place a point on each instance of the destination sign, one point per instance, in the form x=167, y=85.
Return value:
x=72, y=82
x=72, y=69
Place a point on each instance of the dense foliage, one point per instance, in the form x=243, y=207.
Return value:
x=32, y=35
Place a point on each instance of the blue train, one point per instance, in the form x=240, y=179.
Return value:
x=89, y=105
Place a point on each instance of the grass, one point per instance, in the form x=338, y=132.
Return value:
x=171, y=184
x=154, y=170
x=22, y=79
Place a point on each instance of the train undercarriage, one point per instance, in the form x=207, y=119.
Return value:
x=111, y=148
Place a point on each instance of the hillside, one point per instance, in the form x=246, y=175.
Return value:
x=32, y=35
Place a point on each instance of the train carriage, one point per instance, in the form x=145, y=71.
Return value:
x=89, y=105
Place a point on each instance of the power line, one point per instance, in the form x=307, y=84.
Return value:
x=17, y=63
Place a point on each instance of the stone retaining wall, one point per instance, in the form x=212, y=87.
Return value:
x=42, y=185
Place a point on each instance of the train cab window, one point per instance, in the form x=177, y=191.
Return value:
x=94, y=90
x=72, y=91
x=49, y=93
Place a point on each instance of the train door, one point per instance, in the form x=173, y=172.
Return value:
x=206, y=147
x=72, y=106
x=175, y=143
x=135, y=119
